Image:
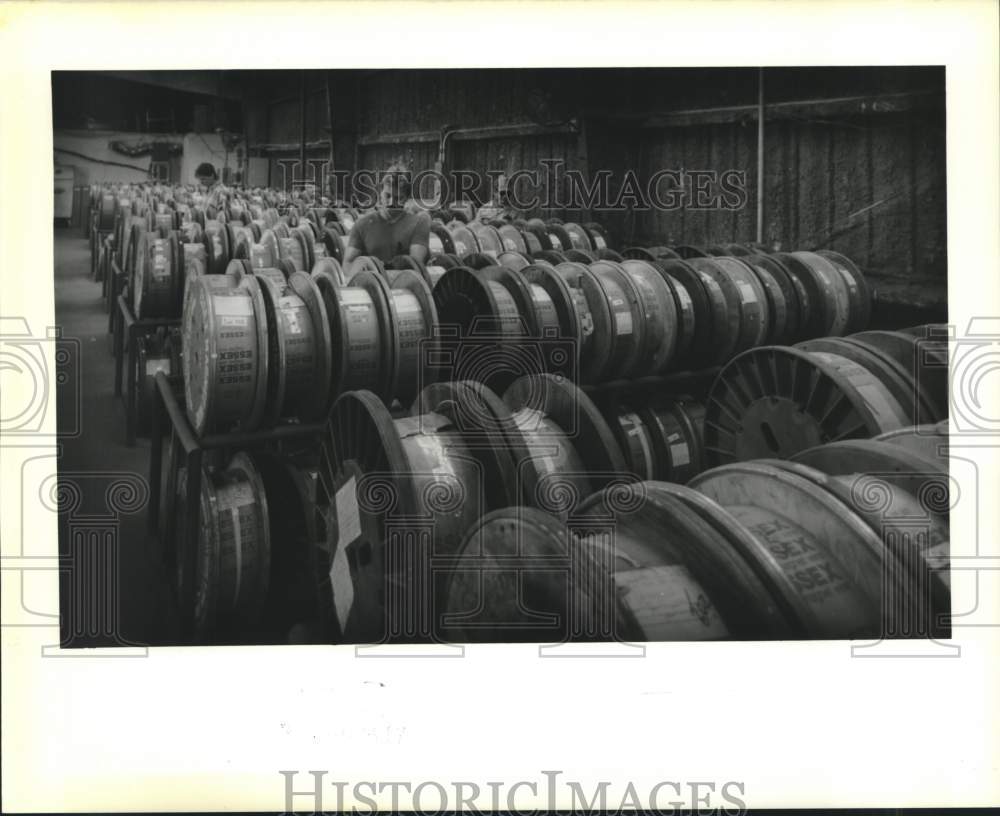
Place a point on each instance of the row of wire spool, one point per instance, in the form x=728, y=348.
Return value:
x=537, y=451
x=481, y=518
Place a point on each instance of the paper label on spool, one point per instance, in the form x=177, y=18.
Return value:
x=460, y=248
x=216, y=244
x=290, y=309
x=598, y=241
x=349, y=529
x=669, y=604
x=623, y=322
x=747, y=291
x=226, y=305
x=679, y=454
x=510, y=244
x=555, y=242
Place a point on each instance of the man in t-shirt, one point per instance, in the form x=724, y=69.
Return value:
x=390, y=230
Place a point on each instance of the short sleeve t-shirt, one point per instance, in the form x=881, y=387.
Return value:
x=383, y=238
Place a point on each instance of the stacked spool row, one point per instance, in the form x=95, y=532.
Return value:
x=776, y=401
x=640, y=317
x=813, y=548
x=472, y=502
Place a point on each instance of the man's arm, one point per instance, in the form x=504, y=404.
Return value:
x=355, y=246
x=421, y=239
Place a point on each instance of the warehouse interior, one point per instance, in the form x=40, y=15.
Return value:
x=848, y=161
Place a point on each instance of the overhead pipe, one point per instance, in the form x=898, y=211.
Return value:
x=760, y=155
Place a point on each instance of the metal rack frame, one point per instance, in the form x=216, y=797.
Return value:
x=188, y=449
x=128, y=330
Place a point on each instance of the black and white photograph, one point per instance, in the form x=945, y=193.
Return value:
x=495, y=407
x=508, y=355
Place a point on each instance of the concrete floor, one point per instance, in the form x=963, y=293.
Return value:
x=106, y=534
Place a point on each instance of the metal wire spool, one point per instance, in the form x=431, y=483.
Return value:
x=532, y=242
x=158, y=281
x=463, y=239
x=439, y=240
x=414, y=316
x=928, y=441
x=478, y=260
x=578, y=236
x=675, y=565
x=598, y=236
x=299, y=348
x=746, y=302
x=827, y=294
x=217, y=251
x=786, y=298
x=131, y=254
x=776, y=401
x=232, y=561
x=489, y=239
x=106, y=212
x=513, y=240
x=361, y=331
x=332, y=268
x=676, y=430
x=241, y=239
x=366, y=263
x=925, y=362
x=660, y=316
x=917, y=541
x=628, y=323
x=859, y=293
x=563, y=321
x=163, y=223
x=559, y=238
x=826, y=562
x=890, y=373
x=513, y=260
x=396, y=493
x=292, y=600
x=226, y=362
x=597, y=328
x=491, y=317
x=688, y=252
x=335, y=244
x=562, y=445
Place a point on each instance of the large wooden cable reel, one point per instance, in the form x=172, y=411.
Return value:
x=828, y=562
x=394, y=494
x=859, y=290
x=926, y=363
x=916, y=541
x=597, y=321
x=563, y=448
x=894, y=377
x=775, y=401
x=226, y=357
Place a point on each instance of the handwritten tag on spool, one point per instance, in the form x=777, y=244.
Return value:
x=747, y=291
x=349, y=531
x=669, y=604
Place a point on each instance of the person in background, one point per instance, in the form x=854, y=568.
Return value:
x=500, y=208
x=391, y=229
x=206, y=176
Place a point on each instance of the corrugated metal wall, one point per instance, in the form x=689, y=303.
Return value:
x=871, y=184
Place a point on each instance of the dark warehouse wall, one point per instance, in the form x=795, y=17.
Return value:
x=854, y=158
